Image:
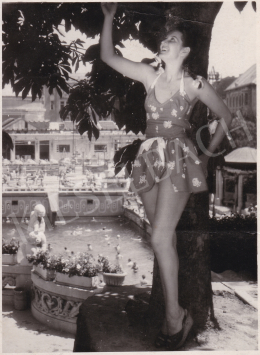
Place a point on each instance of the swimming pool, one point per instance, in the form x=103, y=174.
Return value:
x=99, y=236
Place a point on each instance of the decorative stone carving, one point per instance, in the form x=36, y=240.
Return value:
x=54, y=305
x=8, y=280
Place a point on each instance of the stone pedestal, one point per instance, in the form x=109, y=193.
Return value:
x=15, y=276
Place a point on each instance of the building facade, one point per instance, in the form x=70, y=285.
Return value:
x=241, y=94
x=39, y=133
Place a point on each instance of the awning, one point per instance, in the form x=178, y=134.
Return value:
x=242, y=155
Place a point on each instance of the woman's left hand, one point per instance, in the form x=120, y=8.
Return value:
x=204, y=163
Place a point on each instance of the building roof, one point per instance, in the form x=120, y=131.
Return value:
x=38, y=126
x=108, y=125
x=247, y=78
x=242, y=155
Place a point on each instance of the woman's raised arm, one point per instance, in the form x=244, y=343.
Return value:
x=136, y=71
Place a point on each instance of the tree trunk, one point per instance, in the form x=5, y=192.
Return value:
x=193, y=243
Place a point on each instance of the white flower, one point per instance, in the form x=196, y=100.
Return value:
x=153, y=108
x=171, y=165
x=174, y=113
x=197, y=162
x=78, y=267
x=147, y=116
x=179, y=118
x=175, y=188
x=142, y=179
x=196, y=182
x=155, y=115
x=186, y=149
x=181, y=108
x=161, y=109
x=137, y=163
x=157, y=179
x=156, y=128
x=158, y=163
x=167, y=124
x=183, y=175
x=173, y=151
x=184, y=165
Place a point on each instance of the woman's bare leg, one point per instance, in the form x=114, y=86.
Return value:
x=149, y=201
x=168, y=210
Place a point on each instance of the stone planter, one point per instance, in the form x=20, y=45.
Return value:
x=45, y=274
x=9, y=259
x=114, y=279
x=77, y=281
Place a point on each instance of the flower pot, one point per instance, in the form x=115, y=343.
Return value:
x=114, y=279
x=9, y=259
x=45, y=274
x=77, y=281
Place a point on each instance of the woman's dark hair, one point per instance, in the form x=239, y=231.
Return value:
x=189, y=39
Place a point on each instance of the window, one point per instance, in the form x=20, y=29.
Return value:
x=246, y=98
x=62, y=104
x=63, y=148
x=52, y=105
x=100, y=148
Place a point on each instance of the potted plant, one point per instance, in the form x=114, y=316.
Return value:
x=43, y=264
x=113, y=274
x=78, y=270
x=9, y=251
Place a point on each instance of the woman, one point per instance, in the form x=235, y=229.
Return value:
x=167, y=168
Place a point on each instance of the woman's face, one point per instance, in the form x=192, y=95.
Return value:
x=172, y=46
x=41, y=214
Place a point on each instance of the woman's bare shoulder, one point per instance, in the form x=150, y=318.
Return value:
x=193, y=86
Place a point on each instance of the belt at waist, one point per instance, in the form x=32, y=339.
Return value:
x=160, y=130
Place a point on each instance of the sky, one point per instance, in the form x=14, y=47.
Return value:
x=232, y=48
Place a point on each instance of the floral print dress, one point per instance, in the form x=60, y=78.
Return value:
x=167, y=151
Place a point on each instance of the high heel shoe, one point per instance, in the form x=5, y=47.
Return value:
x=175, y=341
x=161, y=340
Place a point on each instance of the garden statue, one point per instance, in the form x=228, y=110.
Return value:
x=35, y=238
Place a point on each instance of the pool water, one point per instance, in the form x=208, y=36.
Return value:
x=99, y=236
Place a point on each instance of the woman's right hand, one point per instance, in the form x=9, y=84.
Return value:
x=109, y=8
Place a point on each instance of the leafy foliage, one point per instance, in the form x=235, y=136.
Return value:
x=80, y=264
x=10, y=247
x=107, y=267
x=236, y=222
x=240, y=136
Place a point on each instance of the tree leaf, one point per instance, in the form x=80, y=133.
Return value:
x=26, y=91
x=92, y=53
x=240, y=5
x=77, y=65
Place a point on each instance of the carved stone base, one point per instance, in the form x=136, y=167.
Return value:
x=57, y=306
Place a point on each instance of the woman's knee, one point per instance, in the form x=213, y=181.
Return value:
x=161, y=245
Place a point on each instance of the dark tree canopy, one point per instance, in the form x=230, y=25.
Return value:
x=34, y=55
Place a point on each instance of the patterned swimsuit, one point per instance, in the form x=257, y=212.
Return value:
x=167, y=151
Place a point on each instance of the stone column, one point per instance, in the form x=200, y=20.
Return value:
x=219, y=187
x=240, y=193
x=37, y=150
